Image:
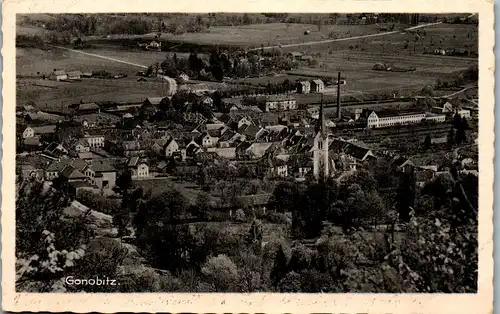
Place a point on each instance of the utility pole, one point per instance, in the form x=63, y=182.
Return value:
x=338, y=98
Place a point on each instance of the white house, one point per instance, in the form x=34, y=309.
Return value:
x=138, y=169
x=58, y=75
x=463, y=113
x=171, y=147
x=317, y=86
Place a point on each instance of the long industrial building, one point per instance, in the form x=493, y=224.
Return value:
x=385, y=119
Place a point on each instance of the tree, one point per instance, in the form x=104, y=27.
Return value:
x=451, y=137
x=221, y=273
x=124, y=181
x=427, y=142
x=240, y=215
x=427, y=91
x=460, y=136
x=47, y=242
x=165, y=104
x=405, y=196
x=285, y=195
x=160, y=232
x=300, y=259
x=44, y=272
x=290, y=283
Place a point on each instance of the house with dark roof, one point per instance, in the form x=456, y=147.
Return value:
x=194, y=117
x=348, y=155
x=403, y=164
x=55, y=168
x=317, y=86
x=55, y=151
x=82, y=146
x=253, y=132
x=138, y=168
x=71, y=174
x=303, y=87
x=32, y=143
x=158, y=145
x=58, y=75
x=152, y=103
x=101, y=174
x=207, y=140
x=171, y=147
x=33, y=131
x=227, y=138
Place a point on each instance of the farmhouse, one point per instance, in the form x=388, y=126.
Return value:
x=58, y=75
x=317, y=86
x=74, y=75
x=304, y=87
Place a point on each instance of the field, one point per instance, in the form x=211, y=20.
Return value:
x=445, y=36
x=255, y=35
x=29, y=61
x=32, y=63
x=58, y=95
x=355, y=65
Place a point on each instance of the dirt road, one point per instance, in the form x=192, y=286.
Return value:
x=99, y=56
x=347, y=38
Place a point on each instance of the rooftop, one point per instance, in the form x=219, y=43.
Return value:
x=102, y=166
x=88, y=106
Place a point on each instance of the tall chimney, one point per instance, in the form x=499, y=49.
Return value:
x=339, y=114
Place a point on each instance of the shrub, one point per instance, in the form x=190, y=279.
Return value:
x=240, y=215
x=221, y=272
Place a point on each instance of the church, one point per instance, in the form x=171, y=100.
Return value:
x=322, y=167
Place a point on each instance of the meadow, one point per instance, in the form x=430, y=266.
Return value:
x=255, y=35
x=57, y=96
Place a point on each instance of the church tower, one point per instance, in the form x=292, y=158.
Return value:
x=320, y=149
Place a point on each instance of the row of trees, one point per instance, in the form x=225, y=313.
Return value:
x=221, y=64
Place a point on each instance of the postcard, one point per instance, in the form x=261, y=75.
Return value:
x=250, y=156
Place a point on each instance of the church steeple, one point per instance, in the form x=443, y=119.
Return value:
x=320, y=150
x=320, y=126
